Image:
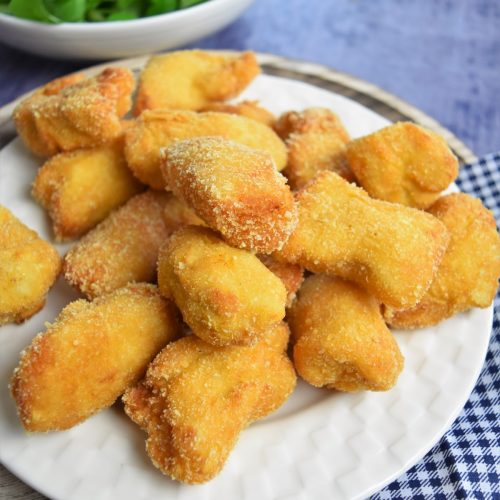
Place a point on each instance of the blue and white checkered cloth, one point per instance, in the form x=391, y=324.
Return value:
x=466, y=462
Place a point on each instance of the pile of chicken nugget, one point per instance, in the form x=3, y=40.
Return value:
x=208, y=233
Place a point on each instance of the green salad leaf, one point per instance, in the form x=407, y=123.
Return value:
x=160, y=7
x=67, y=10
x=71, y=11
x=32, y=9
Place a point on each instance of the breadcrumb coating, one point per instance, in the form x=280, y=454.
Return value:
x=403, y=163
x=87, y=358
x=82, y=115
x=55, y=86
x=121, y=249
x=468, y=274
x=390, y=250
x=276, y=337
x=250, y=109
x=29, y=266
x=80, y=188
x=316, y=141
x=178, y=214
x=192, y=79
x=226, y=295
x=234, y=189
x=291, y=275
x=341, y=340
x=154, y=130
x=197, y=398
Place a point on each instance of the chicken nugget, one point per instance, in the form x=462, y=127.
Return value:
x=234, y=189
x=250, y=109
x=192, y=79
x=80, y=188
x=276, y=337
x=122, y=248
x=29, y=266
x=197, y=398
x=291, y=275
x=82, y=115
x=391, y=250
x=469, y=272
x=403, y=163
x=158, y=129
x=316, y=141
x=87, y=358
x=55, y=86
x=226, y=295
x=341, y=340
x=178, y=214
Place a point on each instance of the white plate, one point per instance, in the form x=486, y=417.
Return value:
x=320, y=444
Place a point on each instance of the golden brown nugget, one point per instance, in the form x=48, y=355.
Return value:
x=87, y=358
x=234, y=189
x=226, y=295
x=391, y=250
x=316, y=141
x=158, y=129
x=80, y=188
x=29, y=266
x=277, y=337
x=197, y=398
x=82, y=115
x=403, y=163
x=291, y=275
x=341, y=340
x=121, y=249
x=250, y=109
x=55, y=86
x=192, y=79
x=469, y=272
x=178, y=214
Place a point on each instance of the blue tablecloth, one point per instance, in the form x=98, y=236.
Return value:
x=442, y=56
x=466, y=462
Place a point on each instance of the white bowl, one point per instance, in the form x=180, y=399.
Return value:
x=110, y=40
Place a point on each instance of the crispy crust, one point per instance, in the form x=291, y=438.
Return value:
x=316, y=141
x=341, y=340
x=55, y=86
x=197, y=398
x=403, y=163
x=291, y=275
x=469, y=272
x=277, y=337
x=80, y=188
x=391, y=250
x=226, y=295
x=82, y=115
x=122, y=248
x=158, y=129
x=29, y=266
x=87, y=358
x=192, y=79
x=250, y=109
x=234, y=189
x=178, y=214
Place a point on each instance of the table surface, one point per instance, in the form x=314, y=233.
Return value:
x=442, y=56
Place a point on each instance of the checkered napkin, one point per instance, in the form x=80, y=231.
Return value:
x=466, y=462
